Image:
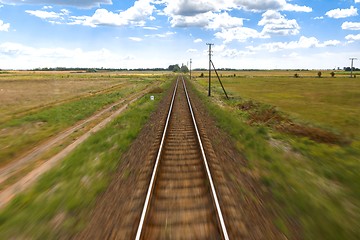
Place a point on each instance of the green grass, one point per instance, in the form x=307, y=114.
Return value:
x=24, y=132
x=329, y=102
x=66, y=193
x=314, y=184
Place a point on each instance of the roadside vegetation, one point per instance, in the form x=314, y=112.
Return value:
x=56, y=206
x=301, y=136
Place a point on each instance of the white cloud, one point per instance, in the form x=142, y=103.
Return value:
x=234, y=53
x=316, y=18
x=198, y=40
x=207, y=20
x=296, y=8
x=161, y=35
x=136, y=39
x=44, y=14
x=224, y=20
x=357, y=1
x=81, y=4
x=264, y=5
x=200, y=20
x=275, y=23
x=351, y=25
x=188, y=7
x=135, y=16
x=4, y=26
x=151, y=28
x=240, y=34
x=215, y=14
x=352, y=37
x=342, y=13
x=304, y=42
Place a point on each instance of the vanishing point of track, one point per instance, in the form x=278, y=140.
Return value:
x=181, y=202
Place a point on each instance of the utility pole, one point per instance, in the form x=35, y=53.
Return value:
x=352, y=64
x=190, y=67
x=210, y=52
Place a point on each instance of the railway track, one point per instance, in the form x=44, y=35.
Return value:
x=181, y=202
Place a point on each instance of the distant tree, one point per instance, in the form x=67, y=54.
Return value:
x=296, y=75
x=184, y=69
x=174, y=68
x=319, y=74
x=332, y=74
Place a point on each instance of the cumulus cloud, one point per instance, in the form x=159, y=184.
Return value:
x=275, y=23
x=207, y=20
x=352, y=37
x=198, y=40
x=303, y=42
x=351, y=25
x=134, y=16
x=4, y=26
x=240, y=34
x=81, y=4
x=224, y=20
x=264, y=5
x=357, y=1
x=342, y=13
x=215, y=14
x=188, y=7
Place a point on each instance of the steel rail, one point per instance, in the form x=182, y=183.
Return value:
x=213, y=191
x=153, y=176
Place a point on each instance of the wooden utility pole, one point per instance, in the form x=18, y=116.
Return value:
x=190, y=67
x=210, y=53
x=352, y=64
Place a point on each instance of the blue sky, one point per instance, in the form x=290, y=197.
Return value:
x=264, y=34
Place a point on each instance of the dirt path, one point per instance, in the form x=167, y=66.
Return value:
x=242, y=197
x=16, y=166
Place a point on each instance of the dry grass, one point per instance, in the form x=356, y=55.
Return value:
x=24, y=91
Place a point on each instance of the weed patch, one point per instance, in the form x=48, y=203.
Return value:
x=268, y=115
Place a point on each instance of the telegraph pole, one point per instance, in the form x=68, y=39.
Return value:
x=190, y=67
x=352, y=64
x=210, y=52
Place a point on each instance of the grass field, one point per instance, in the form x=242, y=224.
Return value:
x=329, y=102
x=36, y=106
x=315, y=183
